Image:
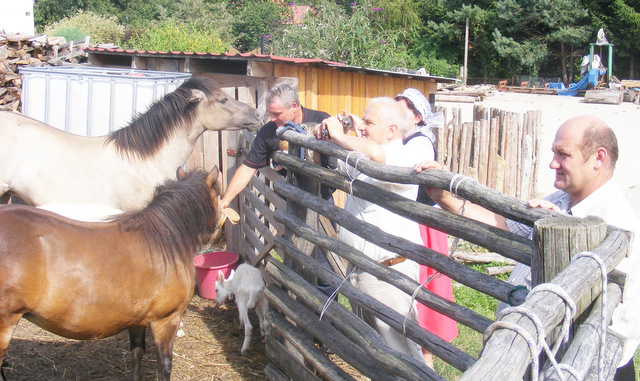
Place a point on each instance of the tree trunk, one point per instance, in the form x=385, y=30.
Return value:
x=563, y=62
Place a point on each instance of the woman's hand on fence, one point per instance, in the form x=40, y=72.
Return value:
x=421, y=166
x=544, y=204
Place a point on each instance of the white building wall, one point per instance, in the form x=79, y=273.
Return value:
x=16, y=16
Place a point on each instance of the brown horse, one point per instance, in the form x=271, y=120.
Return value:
x=90, y=280
x=43, y=165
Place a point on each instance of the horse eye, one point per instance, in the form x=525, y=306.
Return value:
x=223, y=100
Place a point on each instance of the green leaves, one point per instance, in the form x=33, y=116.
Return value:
x=168, y=36
x=355, y=37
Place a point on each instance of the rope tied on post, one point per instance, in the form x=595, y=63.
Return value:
x=536, y=347
x=603, y=303
x=354, y=175
x=455, y=182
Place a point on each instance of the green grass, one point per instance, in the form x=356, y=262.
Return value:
x=468, y=340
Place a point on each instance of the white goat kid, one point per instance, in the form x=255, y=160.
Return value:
x=247, y=287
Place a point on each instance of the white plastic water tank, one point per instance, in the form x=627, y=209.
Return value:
x=92, y=101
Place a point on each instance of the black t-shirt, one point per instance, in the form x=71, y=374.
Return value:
x=266, y=141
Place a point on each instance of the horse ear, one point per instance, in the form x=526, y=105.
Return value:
x=196, y=96
x=180, y=173
x=212, y=176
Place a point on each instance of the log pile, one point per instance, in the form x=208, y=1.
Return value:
x=463, y=94
x=18, y=50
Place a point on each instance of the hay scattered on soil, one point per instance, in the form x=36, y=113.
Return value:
x=209, y=351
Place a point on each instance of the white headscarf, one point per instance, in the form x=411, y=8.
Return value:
x=429, y=119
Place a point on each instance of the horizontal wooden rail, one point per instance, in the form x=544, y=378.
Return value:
x=503, y=242
x=461, y=314
x=392, y=362
x=304, y=343
x=507, y=206
x=418, y=253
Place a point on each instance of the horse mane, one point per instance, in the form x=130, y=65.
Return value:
x=177, y=219
x=144, y=136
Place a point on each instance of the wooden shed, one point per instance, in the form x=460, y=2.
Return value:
x=322, y=85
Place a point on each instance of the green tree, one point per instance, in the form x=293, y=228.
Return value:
x=444, y=34
x=46, y=12
x=528, y=30
x=621, y=20
x=141, y=12
x=255, y=19
x=209, y=15
x=101, y=29
x=332, y=33
x=169, y=36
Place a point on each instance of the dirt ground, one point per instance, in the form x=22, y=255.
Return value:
x=209, y=351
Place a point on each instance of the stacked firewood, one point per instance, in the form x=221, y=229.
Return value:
x=18, y=50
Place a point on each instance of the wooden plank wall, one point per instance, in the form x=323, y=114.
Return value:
x=332, y=90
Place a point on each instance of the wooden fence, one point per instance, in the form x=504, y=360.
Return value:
x=498, y=149
x=282, y=221
x=476, y=149
x=296, y=303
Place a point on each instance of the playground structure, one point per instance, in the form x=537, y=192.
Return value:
x=597, y=85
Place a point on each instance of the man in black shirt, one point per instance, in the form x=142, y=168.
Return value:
x=283, y=105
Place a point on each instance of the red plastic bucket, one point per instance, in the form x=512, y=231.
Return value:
x=207, y=266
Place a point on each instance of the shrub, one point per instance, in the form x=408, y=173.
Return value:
x=169, y=36
x=101, y=29
x=70, y=34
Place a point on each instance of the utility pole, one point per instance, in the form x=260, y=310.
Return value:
x=466, y=51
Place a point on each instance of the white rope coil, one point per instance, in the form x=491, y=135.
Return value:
x=334, y=294
x=541, y=342
x=455, y=182
x=603, y=303
x=413, y=298
x=353, y=176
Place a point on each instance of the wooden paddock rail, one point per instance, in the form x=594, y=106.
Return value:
x=290, y=228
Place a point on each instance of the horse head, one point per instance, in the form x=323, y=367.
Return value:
x=217, y=110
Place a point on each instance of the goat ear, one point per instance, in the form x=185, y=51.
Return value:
x=196, y=96
x=180, y=173
x=233, y=272
x=220, y=276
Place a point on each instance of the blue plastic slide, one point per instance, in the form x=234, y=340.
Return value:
x=588, y=81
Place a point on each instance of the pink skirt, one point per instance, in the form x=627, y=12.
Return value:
x=434, y=322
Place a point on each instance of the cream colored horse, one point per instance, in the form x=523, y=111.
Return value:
x=43, y=165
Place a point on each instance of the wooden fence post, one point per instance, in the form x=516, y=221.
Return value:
x=557, y=239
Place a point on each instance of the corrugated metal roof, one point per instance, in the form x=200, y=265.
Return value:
x=267, y=58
